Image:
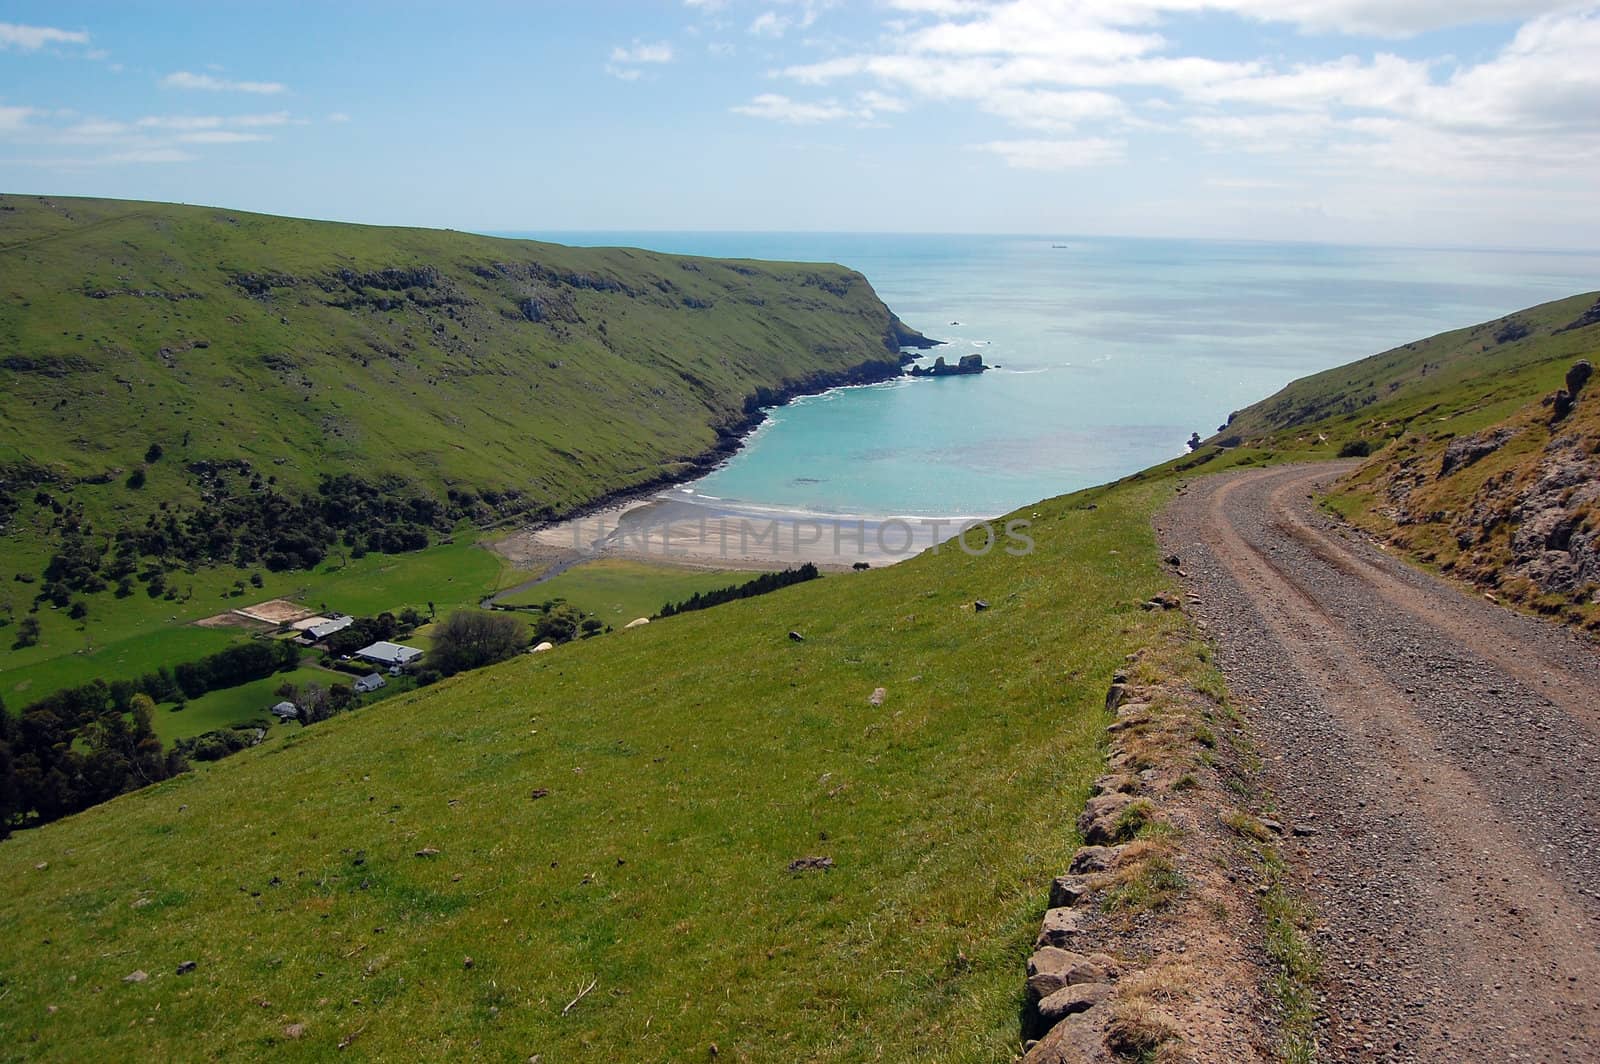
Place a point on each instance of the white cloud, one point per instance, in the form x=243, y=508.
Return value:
x=880, y=102
x=184, y=79
x=180, y=122
x=96, y=130
x=1055, y=154
x=770, y=24
x=780, y=108
x=1047, y=109
x=1075, y=66
x=15, y=119
x=625, y=62
x=220, y=136
x=32, y=38
x=661, y=52
x=188, y=123
x=150, y=155
x=338, y=117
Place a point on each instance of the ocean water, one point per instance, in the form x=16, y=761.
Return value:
x=1112, y=351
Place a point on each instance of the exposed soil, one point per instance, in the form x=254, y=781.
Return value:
x=1437, y=763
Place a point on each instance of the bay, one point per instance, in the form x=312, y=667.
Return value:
x=1112, y=351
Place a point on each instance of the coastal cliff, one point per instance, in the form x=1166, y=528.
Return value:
x=499, y=378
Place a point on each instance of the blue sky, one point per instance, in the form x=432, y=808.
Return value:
x=1461, y=122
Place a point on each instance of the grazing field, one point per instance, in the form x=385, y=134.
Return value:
x=232, y=705
x=623, y=813
x=617, y=590
x=131, y=636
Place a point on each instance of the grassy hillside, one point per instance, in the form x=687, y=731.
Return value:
x=445, y=873
x=622, y=811
x=305, y=348
x=1475, y=376
x=181, y=381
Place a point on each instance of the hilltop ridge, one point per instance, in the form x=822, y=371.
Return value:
x=511, y=376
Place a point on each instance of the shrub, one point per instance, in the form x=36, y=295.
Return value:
x=469, y=639
x=1355, y=449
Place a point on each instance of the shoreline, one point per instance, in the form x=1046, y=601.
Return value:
x=533, y=544
x=691, y=532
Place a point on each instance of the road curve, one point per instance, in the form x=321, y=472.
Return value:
x=1439, y=757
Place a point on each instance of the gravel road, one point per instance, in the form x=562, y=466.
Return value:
x=1437, y=761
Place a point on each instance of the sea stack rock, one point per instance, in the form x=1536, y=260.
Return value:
x=969, y=364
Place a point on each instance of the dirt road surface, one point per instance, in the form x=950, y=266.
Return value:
x=1437, y=760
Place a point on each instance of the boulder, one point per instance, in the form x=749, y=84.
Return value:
x=542, y=647
x=637, y=622
x=1469, y=449
x=1094, y=859
x=1060, y=927
x=877, y=696
x=1112, y=782
x=1072, y=969
x=1578, y=376
x=1069, y=1000
x=1053, y=960
x=1098, y=822
x=137, y=976
x=1079, y=1039
x=1066, y=891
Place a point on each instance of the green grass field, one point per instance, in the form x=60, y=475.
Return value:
x=685, y=766
x=134, y=635
x=617, y=590
x=231, y=705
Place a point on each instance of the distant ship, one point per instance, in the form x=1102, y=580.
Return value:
x=1058, y=245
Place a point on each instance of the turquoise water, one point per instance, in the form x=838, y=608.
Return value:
x=1113, y=352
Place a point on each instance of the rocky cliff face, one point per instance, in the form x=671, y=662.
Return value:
x=1514, y=508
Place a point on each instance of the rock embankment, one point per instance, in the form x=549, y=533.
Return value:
x=1149, y=947
x=1514, y=509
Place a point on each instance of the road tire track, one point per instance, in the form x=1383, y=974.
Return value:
x=1438, y=755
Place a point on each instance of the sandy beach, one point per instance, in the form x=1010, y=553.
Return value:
x=679, y=527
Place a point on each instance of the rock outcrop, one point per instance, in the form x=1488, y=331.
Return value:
x=969, y=364
x=1514, y=509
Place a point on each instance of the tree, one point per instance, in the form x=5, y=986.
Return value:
x=154, y=453
x=313, y=704
x=136, y=479
x=591, y=626
x=559, y=624
x=27, y=632
x=469, y=639
x=79, y=610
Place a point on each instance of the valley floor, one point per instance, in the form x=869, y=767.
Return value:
x=1436, y=755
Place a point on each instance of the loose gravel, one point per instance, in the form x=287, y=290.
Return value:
x=1437, y=760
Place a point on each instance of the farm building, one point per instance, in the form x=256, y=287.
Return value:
x=323, y=629
x=391, y=654
x=370, y=682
